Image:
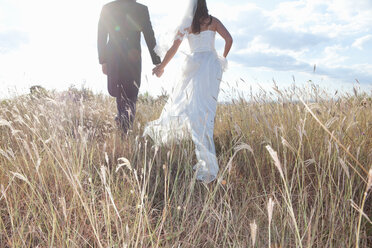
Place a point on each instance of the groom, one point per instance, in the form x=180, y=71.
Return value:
x=119, y=50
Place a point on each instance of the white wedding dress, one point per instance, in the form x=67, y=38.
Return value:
x=191, y=107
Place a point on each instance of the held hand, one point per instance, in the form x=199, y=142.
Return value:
x=104, y=69
x=158, y=71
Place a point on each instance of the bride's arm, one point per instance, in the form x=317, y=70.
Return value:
x=221, y=29
x=169, y=55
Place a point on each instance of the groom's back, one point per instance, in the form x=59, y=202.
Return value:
x=124, y=21
x=119, y=33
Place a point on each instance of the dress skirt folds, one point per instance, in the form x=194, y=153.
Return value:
x=191, y=107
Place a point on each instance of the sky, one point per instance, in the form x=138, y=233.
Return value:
x=53, y=44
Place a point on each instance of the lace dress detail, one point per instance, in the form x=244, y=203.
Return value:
x=191, y=107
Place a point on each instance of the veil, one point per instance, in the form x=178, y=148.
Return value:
x=173, y=24
x=187, y=18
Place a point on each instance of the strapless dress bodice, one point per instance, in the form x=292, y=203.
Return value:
x=202, y=42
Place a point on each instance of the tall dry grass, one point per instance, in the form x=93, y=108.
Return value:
x=69, y=179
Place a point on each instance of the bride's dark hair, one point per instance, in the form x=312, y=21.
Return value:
x=201, y=14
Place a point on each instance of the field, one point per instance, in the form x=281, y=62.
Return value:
x=292, y=174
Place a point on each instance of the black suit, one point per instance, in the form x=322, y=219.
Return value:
x=119, y=46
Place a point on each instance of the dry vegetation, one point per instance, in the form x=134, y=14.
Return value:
x=68, y=178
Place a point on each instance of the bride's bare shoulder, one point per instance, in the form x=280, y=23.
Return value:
x=221, y=29
x=215, y=23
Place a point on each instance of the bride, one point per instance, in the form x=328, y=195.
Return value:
x=191, y=108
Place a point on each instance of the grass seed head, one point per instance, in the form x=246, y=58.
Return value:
x=274, y=156
x=369, y=184
x=270, y=208
x=253, y=226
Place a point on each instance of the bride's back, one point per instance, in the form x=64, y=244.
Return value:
x=202, y=42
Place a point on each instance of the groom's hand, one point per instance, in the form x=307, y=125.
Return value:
x=104, y=69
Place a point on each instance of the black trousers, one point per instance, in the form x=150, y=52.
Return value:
x=124, y=80
x=126, y=104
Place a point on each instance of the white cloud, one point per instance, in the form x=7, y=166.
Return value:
x=360, y=42
x=332, y=55
x=12, y=40
x=300, y=34
x=331, y=17
x=278, y=62
x=347, y=73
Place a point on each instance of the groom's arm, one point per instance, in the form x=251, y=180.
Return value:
x=149, y=35
x=102, y=37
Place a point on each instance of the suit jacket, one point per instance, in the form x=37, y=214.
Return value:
x=119, y=44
